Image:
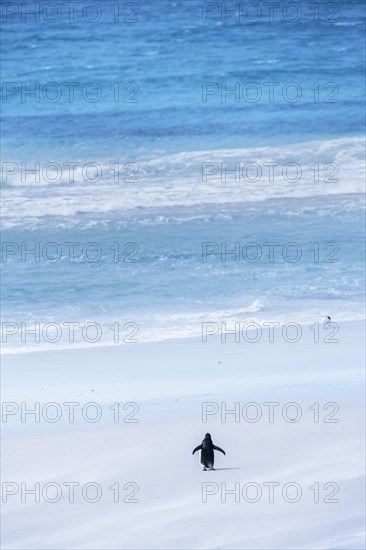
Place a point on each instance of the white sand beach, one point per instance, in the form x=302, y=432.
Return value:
x=165, y=500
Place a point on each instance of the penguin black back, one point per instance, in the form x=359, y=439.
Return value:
x=207, y=443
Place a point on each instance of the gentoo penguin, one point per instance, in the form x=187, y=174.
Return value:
x=207, y=449
x=325, y=320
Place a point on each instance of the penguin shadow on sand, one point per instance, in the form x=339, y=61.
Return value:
x=207, y=458
x=233, y=468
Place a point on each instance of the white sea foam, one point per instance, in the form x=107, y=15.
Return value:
x=168, y=181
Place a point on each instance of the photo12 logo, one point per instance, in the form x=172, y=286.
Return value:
x=270, y=492
x=68, y=92
x=270, y=252
x=70, y=412
x=69, y=332
x=68, y=172
x=270, y=172
x=115, y=11
x=270, y=332
x=70, y=252
x=72, y=492
x=241, y=13
x=269, y=92
x=269, y=411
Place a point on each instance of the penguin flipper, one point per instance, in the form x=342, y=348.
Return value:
x=219, y=449
x=197, y=449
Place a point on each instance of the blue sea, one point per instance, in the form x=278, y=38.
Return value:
x=176, y=162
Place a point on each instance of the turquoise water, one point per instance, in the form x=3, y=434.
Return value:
x=298, y=98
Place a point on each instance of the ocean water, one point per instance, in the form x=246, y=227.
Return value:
x=170, y=166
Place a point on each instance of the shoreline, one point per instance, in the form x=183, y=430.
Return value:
x=239, y=337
